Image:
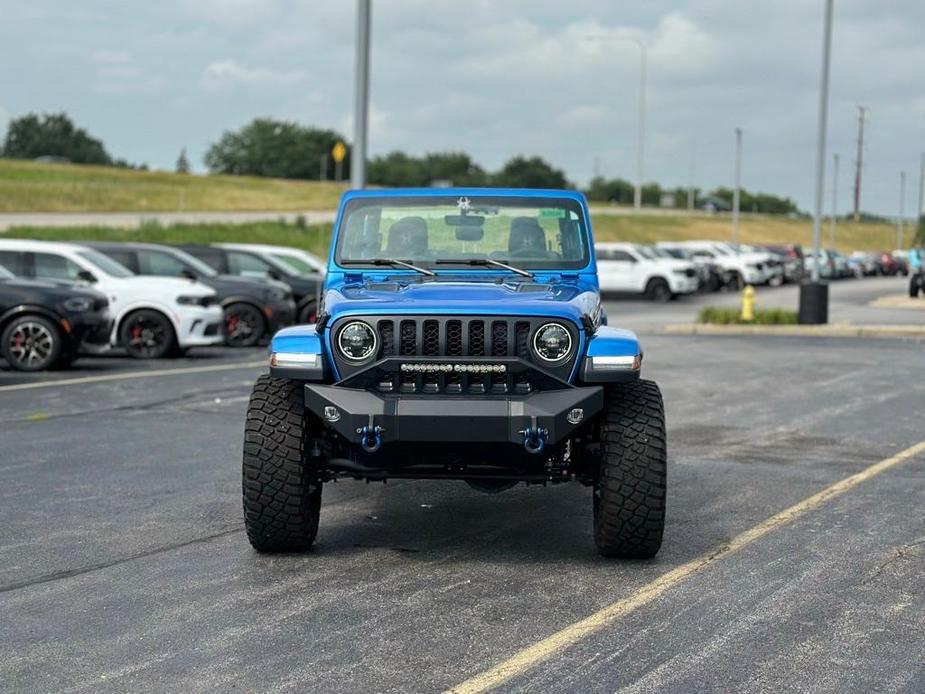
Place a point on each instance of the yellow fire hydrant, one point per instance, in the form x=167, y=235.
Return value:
x=748, y=303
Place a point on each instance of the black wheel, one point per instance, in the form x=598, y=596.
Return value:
x=31, y=343
x=282, y=499
x=244, y=325
x=629, y=494
x=147, y=334
x=658, y=290
x=308, y=313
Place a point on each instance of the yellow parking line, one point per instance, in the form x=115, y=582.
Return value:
x=125, y=375
x=541, y=651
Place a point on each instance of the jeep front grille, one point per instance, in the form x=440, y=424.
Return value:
x=459, y=338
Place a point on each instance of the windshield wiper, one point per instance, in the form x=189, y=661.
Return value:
x=483, y=262
x=391, y=262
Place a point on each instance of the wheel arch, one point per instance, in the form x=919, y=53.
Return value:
x=28, y=309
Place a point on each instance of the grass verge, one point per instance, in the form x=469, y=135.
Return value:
x=716, y=315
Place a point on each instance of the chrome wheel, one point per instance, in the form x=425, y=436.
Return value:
x=31, y=344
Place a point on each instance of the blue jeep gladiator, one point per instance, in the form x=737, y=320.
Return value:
x=460, y=337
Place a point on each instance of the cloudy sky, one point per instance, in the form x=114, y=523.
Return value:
x=494, y=78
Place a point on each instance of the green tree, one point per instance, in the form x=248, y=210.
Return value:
x=183, y=166
x=615, y=190
x=52, y=135
x=277, y=149
x=400, y=169
x=533, y=172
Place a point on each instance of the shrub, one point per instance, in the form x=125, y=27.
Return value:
x=732, y=316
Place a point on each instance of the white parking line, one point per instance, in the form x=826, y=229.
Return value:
x=126, y=375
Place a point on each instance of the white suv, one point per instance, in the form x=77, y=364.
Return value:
x=745, y=269
x=153, y=316
x=637, y=269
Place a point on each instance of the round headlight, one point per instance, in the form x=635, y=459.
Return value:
x=357, y=341
x=552, y=342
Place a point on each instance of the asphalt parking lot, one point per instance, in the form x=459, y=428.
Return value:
x=124, y=565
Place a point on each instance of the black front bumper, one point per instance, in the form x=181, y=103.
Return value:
x=453, y=419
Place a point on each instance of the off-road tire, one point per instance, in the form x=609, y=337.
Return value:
x=658, y=290
x=629, y=494
x=282, y=500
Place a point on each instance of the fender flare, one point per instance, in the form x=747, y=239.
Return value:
x=21, y=309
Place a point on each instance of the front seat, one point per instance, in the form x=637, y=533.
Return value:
x=527, y=239
x=407, y=239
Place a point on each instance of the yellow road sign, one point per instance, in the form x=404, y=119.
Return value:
x=339, y=151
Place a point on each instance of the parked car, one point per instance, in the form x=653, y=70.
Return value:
x=43, y=325
x=253, y=307
x=791, y=255
x=901, y=258
x=740, y=269
x=711, y=277
x=461, y=339
x=300, y=260
x=869, y=263
x=305, y=288
x=635, y=269
x=153, y=316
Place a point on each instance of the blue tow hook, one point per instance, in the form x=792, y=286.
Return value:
x=374, y=433
x=534, y=439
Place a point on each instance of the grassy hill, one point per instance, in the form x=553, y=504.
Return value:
x=27, y=186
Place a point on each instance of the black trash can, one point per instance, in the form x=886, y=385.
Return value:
x=814, y=303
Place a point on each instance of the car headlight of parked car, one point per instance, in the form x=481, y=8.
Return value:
x=357, y=341
x=78, y=304
x=552, y=342
x=197, y=300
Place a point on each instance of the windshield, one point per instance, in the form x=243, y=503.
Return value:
x=193, y=262
x=5, y=274
x=106, y=264
x=298, y=265
x=646, y=252
x=526, y=232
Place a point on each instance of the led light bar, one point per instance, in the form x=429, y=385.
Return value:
x=454, y=368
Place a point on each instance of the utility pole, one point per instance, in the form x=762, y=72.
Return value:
x=361, y=98
x=834, y=201
x=738, y=183
x=859, y=162
x=641, y=136
x=902, y=210
x=690, y=180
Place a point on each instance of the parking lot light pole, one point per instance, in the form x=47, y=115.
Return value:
x=361, y=97
x=814, y=295
x=641, y=136
x=738, y=183
x=834, y=201
x=902, y=210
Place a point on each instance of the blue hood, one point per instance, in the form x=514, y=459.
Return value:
x=570, y=300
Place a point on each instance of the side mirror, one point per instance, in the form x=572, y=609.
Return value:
x=86, y=276
x=188, y=274
x=274, y=274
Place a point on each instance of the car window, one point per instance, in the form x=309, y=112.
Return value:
x=296, y=263
x=623, y=255
x=646, y=252
x=159, y=263
x=55, y=267
x=247, y=265
x=214, y=259
x=192, y=261
x=14, y=261
x=105, y=263
x=122, y=257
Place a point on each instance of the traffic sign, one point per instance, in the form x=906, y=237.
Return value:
x=339, y=151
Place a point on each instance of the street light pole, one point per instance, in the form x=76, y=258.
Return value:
x=640, y=144
x=814, y=297
x=361, y=97
x=738, y=183
x=902, y=210
x=919, y=211
x=834, y=201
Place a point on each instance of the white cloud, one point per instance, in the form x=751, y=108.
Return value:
x=582, y=115
x=221, y=74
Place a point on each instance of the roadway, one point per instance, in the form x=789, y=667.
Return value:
x=124, y=566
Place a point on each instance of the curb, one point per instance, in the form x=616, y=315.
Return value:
x=830, y=330
x=903, y=301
